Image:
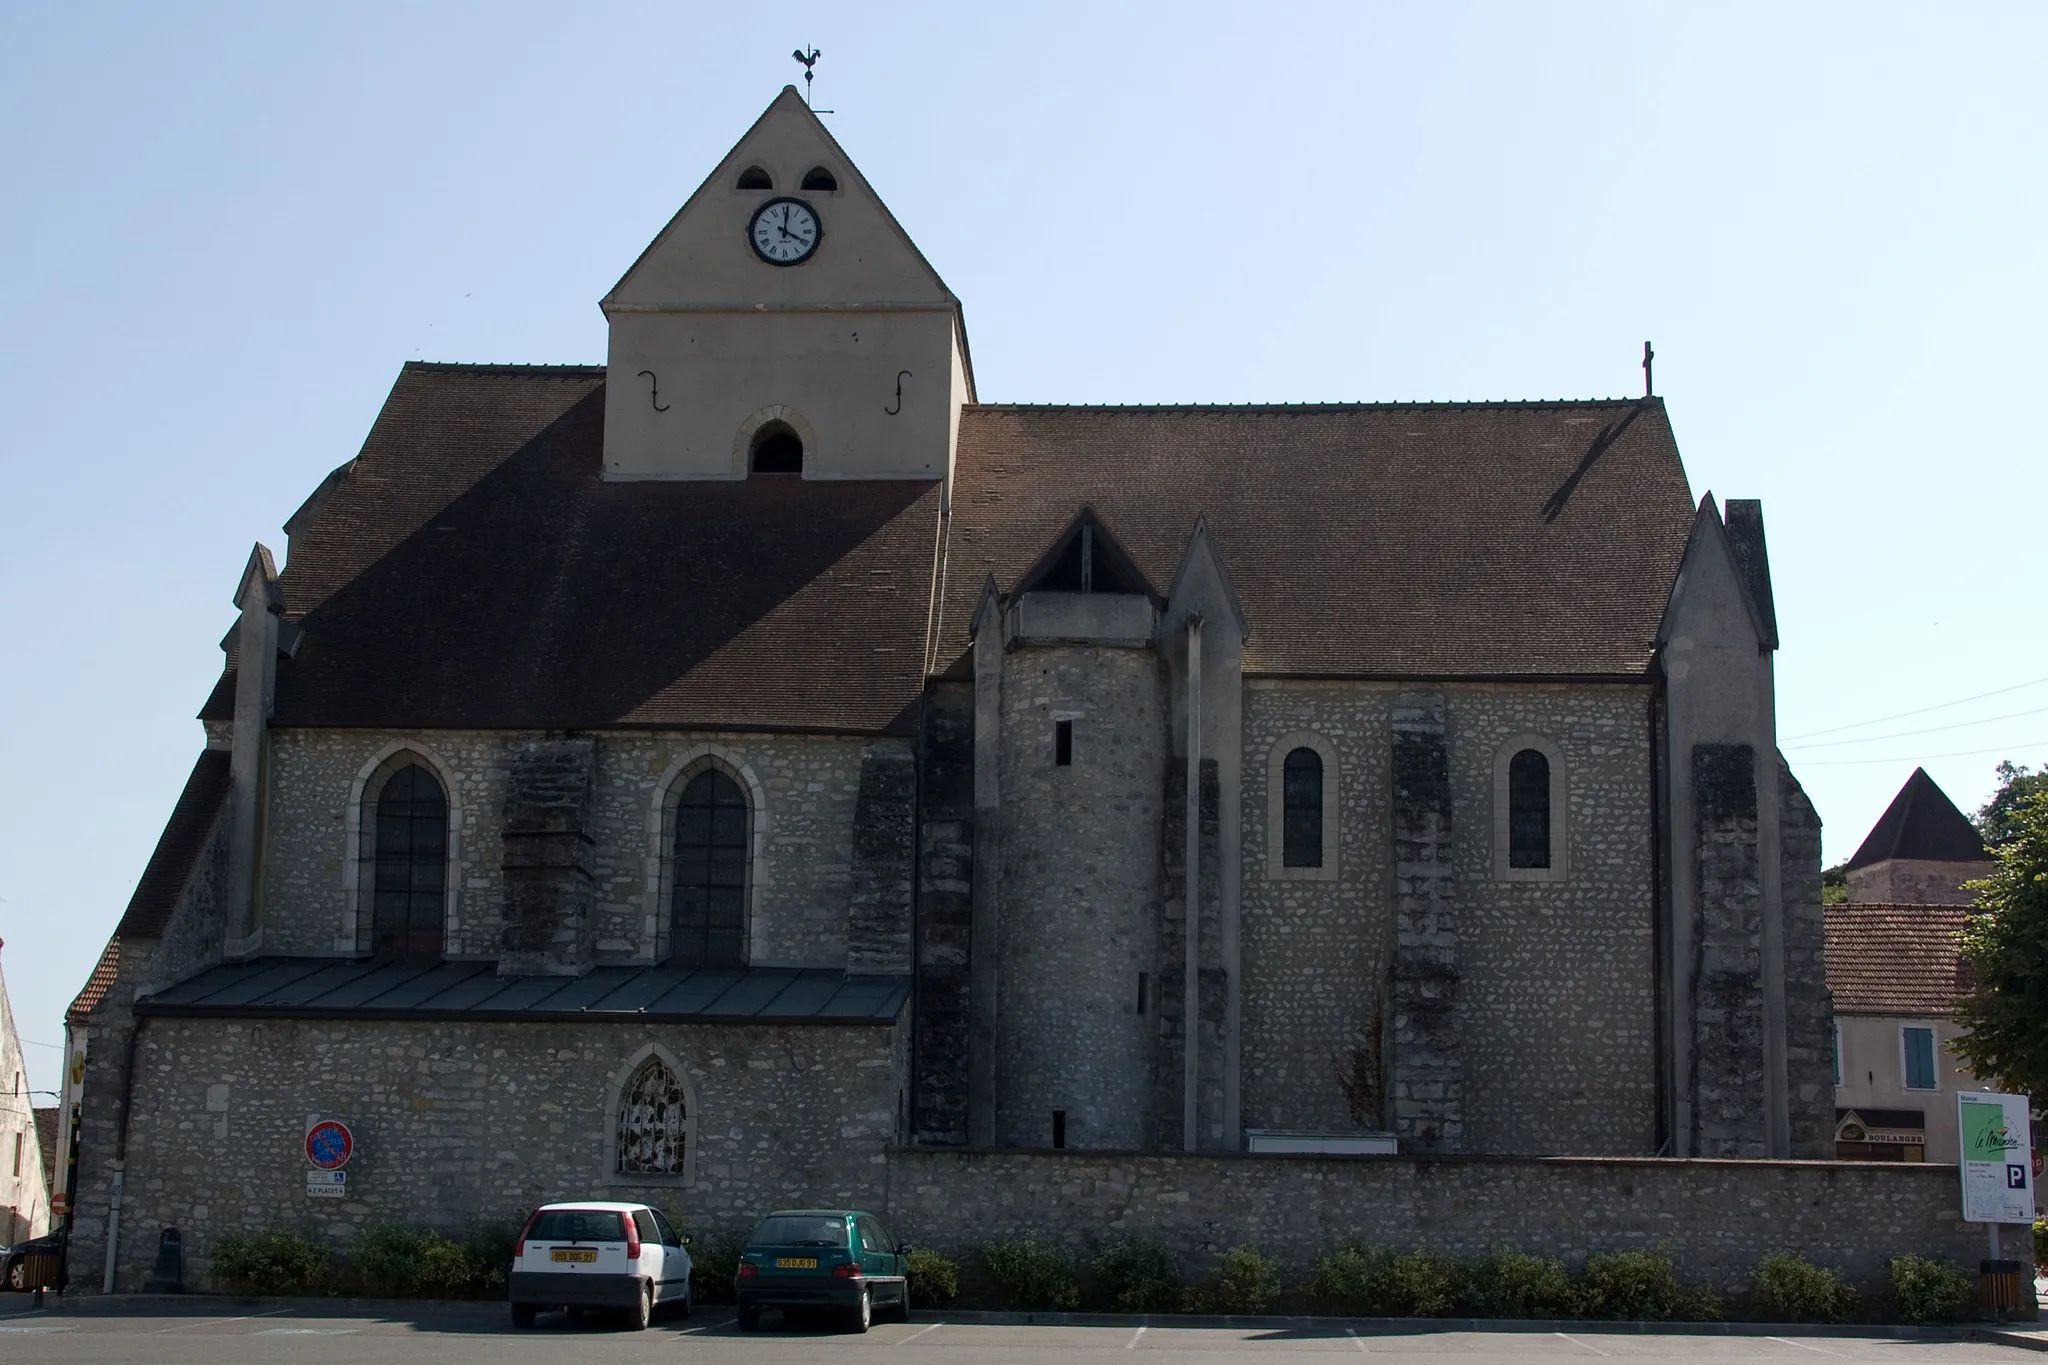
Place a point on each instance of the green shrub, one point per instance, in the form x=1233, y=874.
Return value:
x=1419, y=1285
x=1031, y=1275
x=1137, y=1275
x=398, y=1261
x=1244, y=1283
x=1803, y=1292
x=714, y=1261
x=1638, y=1286
x=1929, y=1291
x=2041, y=1241
x=1514, y=1284
x=1349, y=1280
x=274, y=1261
x=934, y=1280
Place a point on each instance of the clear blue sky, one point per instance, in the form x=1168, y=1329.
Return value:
x=225, y=227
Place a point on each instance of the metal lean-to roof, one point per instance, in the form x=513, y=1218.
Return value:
x=336, y=988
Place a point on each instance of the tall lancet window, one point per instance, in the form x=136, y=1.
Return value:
x=411, y=865
x=1303, y=809
x=1529, y=810
x=709, y=923
x=653, y=1122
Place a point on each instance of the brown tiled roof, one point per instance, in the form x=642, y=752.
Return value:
x=1894, y=959
x=1923, y=825
x=470, y=568
x=178, y=848
x=46, y=1140
x=1402, y=540
x=98, y=984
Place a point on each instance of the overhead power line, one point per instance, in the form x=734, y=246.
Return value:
x=1901, y=715
x=1921, y=758
x=1930, y=730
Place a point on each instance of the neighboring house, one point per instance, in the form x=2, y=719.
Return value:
x=1920, y=851
x=692, y=776
x=1895, y=974
x=77, y=1045
x=24, y=1196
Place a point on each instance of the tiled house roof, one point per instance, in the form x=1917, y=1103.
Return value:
x=1923, y=825
x=1392, y=540
x=1894, y=959
x=98, y=984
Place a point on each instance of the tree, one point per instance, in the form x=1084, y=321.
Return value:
x=1997, y=821
x=2005, y=957
x=1834, y=884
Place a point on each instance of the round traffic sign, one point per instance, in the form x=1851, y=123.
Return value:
x=329, y=1144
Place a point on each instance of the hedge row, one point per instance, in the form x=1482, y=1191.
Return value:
x=1140, y=1275
x=387, y=1260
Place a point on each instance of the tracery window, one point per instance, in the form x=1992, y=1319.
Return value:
x=411, y=877
x=653, y=1120
x=709, y=919
x=1302, y=809
x=1529, y=810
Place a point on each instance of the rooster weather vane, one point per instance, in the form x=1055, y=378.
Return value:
x=809, y=57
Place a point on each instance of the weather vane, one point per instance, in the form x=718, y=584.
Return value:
x=809, y=57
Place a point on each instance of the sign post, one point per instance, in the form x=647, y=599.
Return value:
x=1998, y=1180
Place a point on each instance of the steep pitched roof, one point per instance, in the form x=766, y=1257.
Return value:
x=178, y=848
x=470, y=568
x=46, y=1142
x=1402, y=540
x=1923, y=825
x=1894, y=959
x=104, y=973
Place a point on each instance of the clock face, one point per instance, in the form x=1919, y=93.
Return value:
x=785, y=231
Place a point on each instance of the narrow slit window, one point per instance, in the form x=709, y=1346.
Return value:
x=1143, y=983
x=1063, y=743
x=1059, y=1128
x=1302, y=809
x=1529, y=810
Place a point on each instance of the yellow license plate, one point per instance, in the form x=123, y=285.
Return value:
x=580, y=1255
x=796, y=1263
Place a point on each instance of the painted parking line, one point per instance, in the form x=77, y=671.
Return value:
x=35, y=1328
x=1136, y=1337
x=1576, y=1342
x=1362, y=1349
x=1809, y=1346
x=306, y=1332
x=216, y=1322
x=920, y=1332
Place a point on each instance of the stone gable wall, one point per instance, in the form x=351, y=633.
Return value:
x=1914, y=881
x=811, y=785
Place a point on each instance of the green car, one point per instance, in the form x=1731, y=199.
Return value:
x=839, y=1260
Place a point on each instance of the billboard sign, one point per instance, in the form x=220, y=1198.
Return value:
x=1997, y=1157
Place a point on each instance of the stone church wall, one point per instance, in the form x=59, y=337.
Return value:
x=1717, y=1218
x=811, y=785
x=459, y=1124
x=1080, y=894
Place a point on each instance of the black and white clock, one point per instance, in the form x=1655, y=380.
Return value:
x=785, y=231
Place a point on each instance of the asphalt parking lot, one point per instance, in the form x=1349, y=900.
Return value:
x=214, y=1334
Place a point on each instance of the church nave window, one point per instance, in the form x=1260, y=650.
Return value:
x=411, y=865
x=1529, y=810
x=754, y=178
x=1302, y=809
x=653, y=1119
x=709, y=919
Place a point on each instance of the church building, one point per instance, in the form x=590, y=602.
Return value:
x=690, y=778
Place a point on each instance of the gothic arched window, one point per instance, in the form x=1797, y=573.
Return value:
x=1529, y=809
x=708, y=922
x=1302, y=809
x=653, y=1121
x=411, y=878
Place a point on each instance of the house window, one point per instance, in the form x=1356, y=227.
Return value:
x=708, y=924
x=653, y=1122
x=1302, y=809
x=1919, y=1049
x=1529, y=810
x=411, y=876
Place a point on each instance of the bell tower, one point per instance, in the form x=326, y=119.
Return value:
x=783, y=324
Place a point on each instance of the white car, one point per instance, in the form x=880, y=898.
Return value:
x=593, y=1254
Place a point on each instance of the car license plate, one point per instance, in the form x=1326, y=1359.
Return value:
x=796, y=1263
x=580, y=1255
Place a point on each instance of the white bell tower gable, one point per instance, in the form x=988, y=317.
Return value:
x=726, y=362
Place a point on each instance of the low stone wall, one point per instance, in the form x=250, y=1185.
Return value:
x=1718, y=1218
